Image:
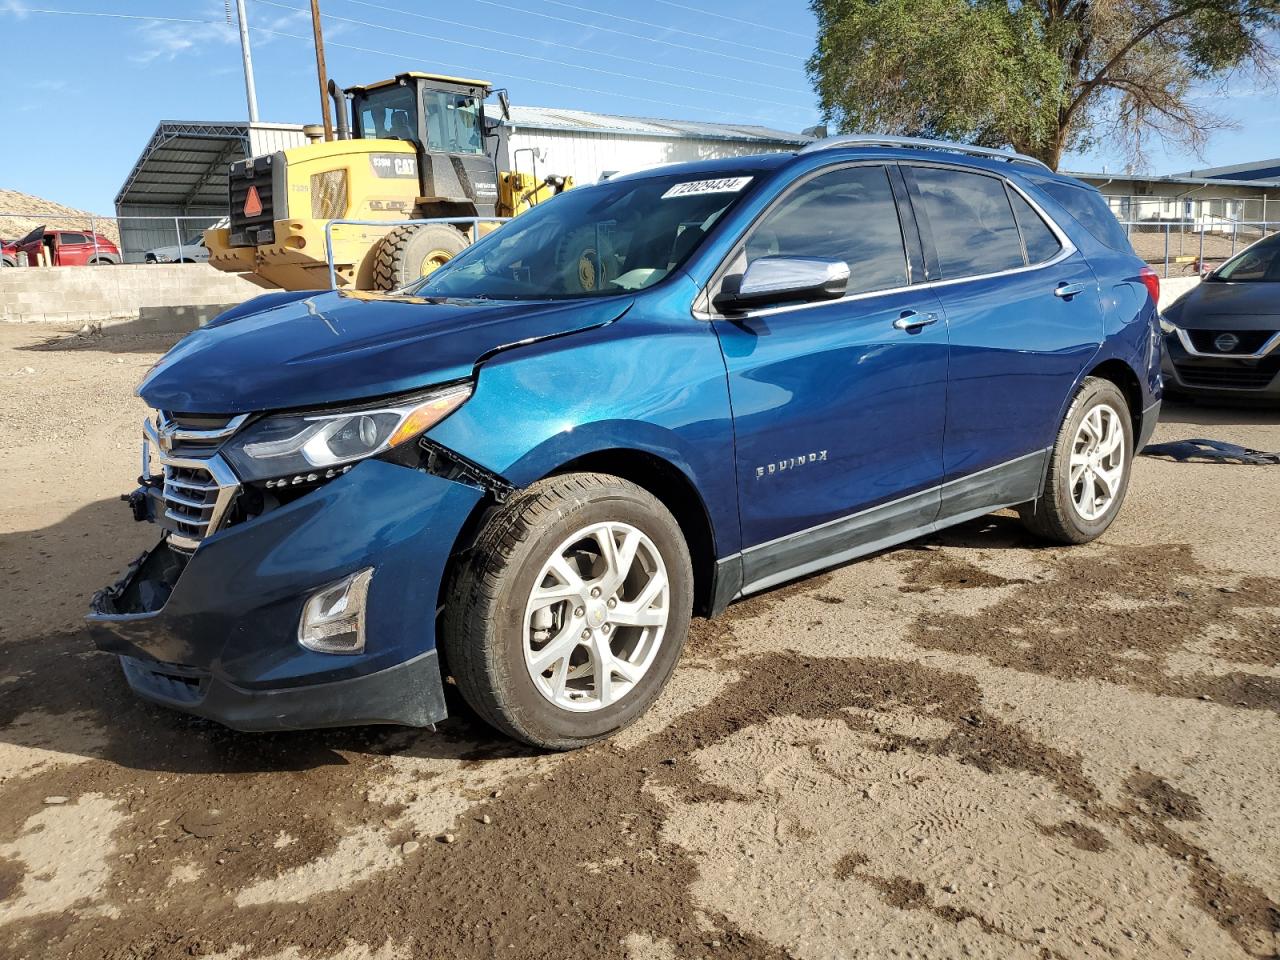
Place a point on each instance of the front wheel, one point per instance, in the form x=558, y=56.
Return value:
x=567, y=617
x=1089, y=465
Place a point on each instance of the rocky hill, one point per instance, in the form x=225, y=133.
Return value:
x=20, y=213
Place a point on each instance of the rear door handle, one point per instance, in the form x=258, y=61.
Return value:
x=910, y=320
x=1067, y=290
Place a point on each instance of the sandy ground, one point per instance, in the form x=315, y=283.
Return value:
x=968, y=747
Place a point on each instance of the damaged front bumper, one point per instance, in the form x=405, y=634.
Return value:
x=216, y=634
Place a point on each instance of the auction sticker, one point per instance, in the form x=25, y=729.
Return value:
x=694, y=187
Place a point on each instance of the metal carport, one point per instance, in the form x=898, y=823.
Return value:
x=182, y=173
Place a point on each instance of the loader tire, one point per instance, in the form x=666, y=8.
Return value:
x=409, y=253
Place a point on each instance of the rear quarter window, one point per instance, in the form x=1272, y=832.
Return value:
x=1092, y=212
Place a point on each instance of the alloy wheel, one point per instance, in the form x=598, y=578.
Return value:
x=1097, y=462
x=596, y=616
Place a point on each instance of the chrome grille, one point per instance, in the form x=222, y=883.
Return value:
x=197, y=487
x=190, y=498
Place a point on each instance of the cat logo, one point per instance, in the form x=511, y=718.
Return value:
x=252, y=203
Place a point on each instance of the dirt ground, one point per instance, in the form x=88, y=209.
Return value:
x=968, y=747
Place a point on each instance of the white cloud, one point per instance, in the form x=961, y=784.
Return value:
x=15, y=7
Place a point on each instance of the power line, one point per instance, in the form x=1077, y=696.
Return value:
x=663, y=26
x=739, y=21
x=115, y=16
x=569, y=46
x=511, y=76
x=528, y=56
x=701, y=51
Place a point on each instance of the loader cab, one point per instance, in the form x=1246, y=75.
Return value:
x=444, y=118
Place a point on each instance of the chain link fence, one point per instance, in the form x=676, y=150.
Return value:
x=1185, y=235
x=134, y=239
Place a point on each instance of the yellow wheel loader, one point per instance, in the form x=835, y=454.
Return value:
x=417, y=146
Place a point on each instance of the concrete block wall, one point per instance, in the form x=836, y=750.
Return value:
x=161, y=295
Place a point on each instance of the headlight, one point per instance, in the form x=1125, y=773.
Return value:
x=163, y=258
x=313, y=445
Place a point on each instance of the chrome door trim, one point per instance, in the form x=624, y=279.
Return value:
x=1068, y=250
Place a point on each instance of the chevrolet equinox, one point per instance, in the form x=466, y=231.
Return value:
x=638, y=402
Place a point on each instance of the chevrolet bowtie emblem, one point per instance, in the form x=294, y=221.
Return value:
x=164, y=435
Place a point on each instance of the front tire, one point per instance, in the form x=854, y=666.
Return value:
x=567, y=617
x=1088, y=473
x=410, y=253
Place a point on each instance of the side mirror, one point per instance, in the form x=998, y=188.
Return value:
x=776, y=280
x=504, y=103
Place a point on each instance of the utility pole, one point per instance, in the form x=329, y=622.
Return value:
x=321, y=72
x=251, y=94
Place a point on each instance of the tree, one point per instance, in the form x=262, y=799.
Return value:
x=1044, y=76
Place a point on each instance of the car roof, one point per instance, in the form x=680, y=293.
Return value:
x=768, y=162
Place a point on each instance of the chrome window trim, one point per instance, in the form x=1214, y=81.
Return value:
x=217, y=468
x=1188, y=346
x=1068, y=250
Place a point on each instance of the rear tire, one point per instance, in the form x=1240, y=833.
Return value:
x=1088, y=472
x=409, y=253
x=530, y=665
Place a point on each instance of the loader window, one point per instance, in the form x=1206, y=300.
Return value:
x=387, y=112
x=453, y=122
x=607, y=240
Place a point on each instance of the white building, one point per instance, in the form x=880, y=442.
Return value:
x=588, y=146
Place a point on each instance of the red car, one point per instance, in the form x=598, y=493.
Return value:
x=67, y=248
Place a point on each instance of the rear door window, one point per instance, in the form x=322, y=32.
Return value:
x=1088, y=207
x=1040, y=242
x=847, y=214
x=971, y=221
x=67, y=238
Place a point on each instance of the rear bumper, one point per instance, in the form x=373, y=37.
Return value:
x=216, y=635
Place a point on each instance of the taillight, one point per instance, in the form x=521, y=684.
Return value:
x=1151, y=280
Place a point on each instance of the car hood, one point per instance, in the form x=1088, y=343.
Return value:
x=1214, y=305
x=288, y=350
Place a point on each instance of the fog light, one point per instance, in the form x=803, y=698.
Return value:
x=333, y=618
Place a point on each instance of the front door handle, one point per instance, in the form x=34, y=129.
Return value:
x=1068, y=290
x=910, y=320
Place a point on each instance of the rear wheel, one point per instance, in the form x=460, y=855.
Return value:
x=1088, y=472
x=409, y=253
x=567, y=617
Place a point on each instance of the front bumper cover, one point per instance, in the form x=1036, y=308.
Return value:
x=216, y=635
x=1226, y=377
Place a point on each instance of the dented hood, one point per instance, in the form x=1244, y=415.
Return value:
x=287, y=350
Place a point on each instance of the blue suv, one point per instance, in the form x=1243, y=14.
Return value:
x=638, y=402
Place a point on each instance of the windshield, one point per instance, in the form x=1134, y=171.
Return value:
x=1260, y=263
x=604, y=240
x=388, y=113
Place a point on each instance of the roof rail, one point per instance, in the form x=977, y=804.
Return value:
x=919, y=143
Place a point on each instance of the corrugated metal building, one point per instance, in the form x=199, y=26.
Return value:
x=179, y=183
x=587, y=146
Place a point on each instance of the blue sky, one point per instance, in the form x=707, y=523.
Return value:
x=90, y=89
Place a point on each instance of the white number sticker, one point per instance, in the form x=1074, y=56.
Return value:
x=694, y=187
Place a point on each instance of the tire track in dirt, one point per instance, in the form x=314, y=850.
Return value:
x=1115, y=614
x=567, y=858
